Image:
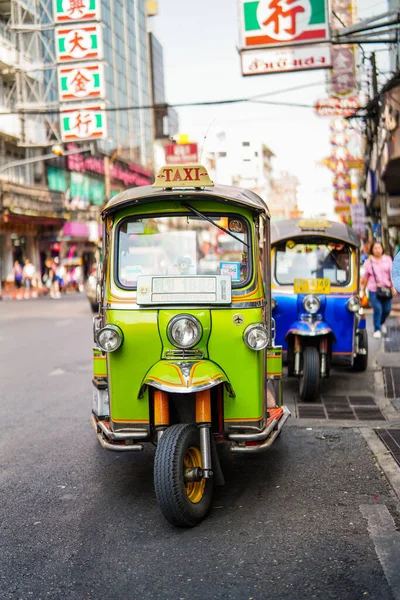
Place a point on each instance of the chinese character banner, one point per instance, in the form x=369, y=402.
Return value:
x=79, y=43
x=83, y=123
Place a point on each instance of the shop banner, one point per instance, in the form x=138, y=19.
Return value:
x=68, y=11
x=79, y=43
x=269, y=23
x=81, y=81
x=285, y=60
x=83, y=122
x=336, y=107
x=181, y=154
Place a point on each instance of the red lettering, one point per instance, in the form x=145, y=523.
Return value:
x=168, y=174
x=188, y=175
x=177, y=176
x=196, y=172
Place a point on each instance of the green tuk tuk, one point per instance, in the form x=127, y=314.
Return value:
x=184, y=354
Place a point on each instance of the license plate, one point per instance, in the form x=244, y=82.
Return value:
x=312, y=286
x=101, y=403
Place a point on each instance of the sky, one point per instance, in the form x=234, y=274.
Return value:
x=202, y=63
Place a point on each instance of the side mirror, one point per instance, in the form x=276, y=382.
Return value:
x=396, y=272
x=99, y=272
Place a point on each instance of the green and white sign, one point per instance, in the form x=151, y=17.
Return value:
x=270, y=23
x=81, y=81
x=84, y=42
x=69, y=11
x=83, y=122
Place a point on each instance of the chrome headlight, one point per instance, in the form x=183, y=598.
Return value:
x=256, y=337
x=311, y=304
x=110, y=338
x=353, y=304
x=184, y=331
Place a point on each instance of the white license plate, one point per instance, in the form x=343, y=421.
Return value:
x=101, y=404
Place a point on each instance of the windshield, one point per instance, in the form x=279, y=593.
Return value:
x=324, y=260
x=183, y=245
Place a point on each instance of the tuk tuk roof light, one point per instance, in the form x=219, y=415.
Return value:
x=110, y=338
x=256, y=336
x=184, y=331
x=311, y=304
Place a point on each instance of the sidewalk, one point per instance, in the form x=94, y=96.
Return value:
x=10, y=292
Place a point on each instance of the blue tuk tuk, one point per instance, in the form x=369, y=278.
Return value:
x=317, y=310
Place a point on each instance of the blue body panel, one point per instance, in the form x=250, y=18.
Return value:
x=335, y=317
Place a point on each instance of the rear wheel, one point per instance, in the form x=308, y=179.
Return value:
x=183, y=503
x=309, y=380
x=361, y=360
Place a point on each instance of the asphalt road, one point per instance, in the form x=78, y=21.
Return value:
x=80, y=523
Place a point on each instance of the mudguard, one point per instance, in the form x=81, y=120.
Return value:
x=311, y=329
x=184, y=377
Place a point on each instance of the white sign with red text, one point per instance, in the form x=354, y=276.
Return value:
x=284, y=60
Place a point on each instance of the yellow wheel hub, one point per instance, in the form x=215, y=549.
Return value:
x=194, y=489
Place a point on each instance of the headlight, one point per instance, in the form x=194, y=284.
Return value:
x=110, y=338
x=184, y=331
x=256, y=337
x=273, y=303
x=311, y=304
x=353, y=304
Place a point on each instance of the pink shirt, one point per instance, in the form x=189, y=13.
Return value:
x=382, y=270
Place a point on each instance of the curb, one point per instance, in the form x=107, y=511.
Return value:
x=383, y=458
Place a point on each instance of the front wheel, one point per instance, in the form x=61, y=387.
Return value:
x=309, y=380
x=183, y=503
x=361, y=360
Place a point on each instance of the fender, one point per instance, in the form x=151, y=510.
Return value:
x=184, y=377
x=309, y=329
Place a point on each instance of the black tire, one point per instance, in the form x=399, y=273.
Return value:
x=361, y=360
x=94, y=307
x=170, y=488
x=309, y=380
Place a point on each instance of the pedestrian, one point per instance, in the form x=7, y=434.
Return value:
x=28, y=273
x=17, y=272
x=377, y=280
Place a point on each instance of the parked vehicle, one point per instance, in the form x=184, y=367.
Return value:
x=185, y=359
x=317, y=308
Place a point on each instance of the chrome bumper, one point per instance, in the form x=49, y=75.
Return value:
x=268, y=434
x=108, y=438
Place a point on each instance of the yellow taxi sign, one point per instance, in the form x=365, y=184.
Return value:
x=312, y=286
x=315, y=224
x=182, y=176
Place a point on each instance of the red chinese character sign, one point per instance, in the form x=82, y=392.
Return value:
x=79, y=43
x=85, y=80
x=269, y=23
x=68, y=11
x=83, y=123
x=180, y=154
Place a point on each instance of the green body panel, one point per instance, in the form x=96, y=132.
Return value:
x=202, y=315
x=128, y=366
x=168, y=374
x=99, y=363
x=243, y=367
x=274, y=362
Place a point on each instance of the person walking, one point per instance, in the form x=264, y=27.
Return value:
x=28, y=273
x=17, y=272
x=377, y=280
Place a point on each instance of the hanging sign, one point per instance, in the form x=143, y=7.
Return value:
x=83, y=122
x=79, y=43
x=79, y=81
x=268, y=23
x=68, y=11
x=280, y=60
x=337, y=107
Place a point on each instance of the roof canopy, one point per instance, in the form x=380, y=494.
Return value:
x=295, y=228
x=148, y=194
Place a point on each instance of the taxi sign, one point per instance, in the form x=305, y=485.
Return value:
x=316, y=224
x=182, y=176
x=312, y=286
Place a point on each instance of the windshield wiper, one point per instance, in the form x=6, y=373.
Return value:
x=199, y=214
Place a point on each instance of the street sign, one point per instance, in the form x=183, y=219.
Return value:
x=180, y=154
x=337, y=107
x=269, y=23
x=68, y=11
x=79, y=43
x=284, y=60
x=81, y=81
x=83, y=122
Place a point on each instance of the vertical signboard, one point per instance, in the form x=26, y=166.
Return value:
x=343, y=76
x=79, y=43
x=69, y=11
x=83, y=122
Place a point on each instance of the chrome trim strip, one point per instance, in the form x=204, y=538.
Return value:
x=133, y=306
x=120, y=435
x=114, y=447
x=183, y=390
x=269, y=441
